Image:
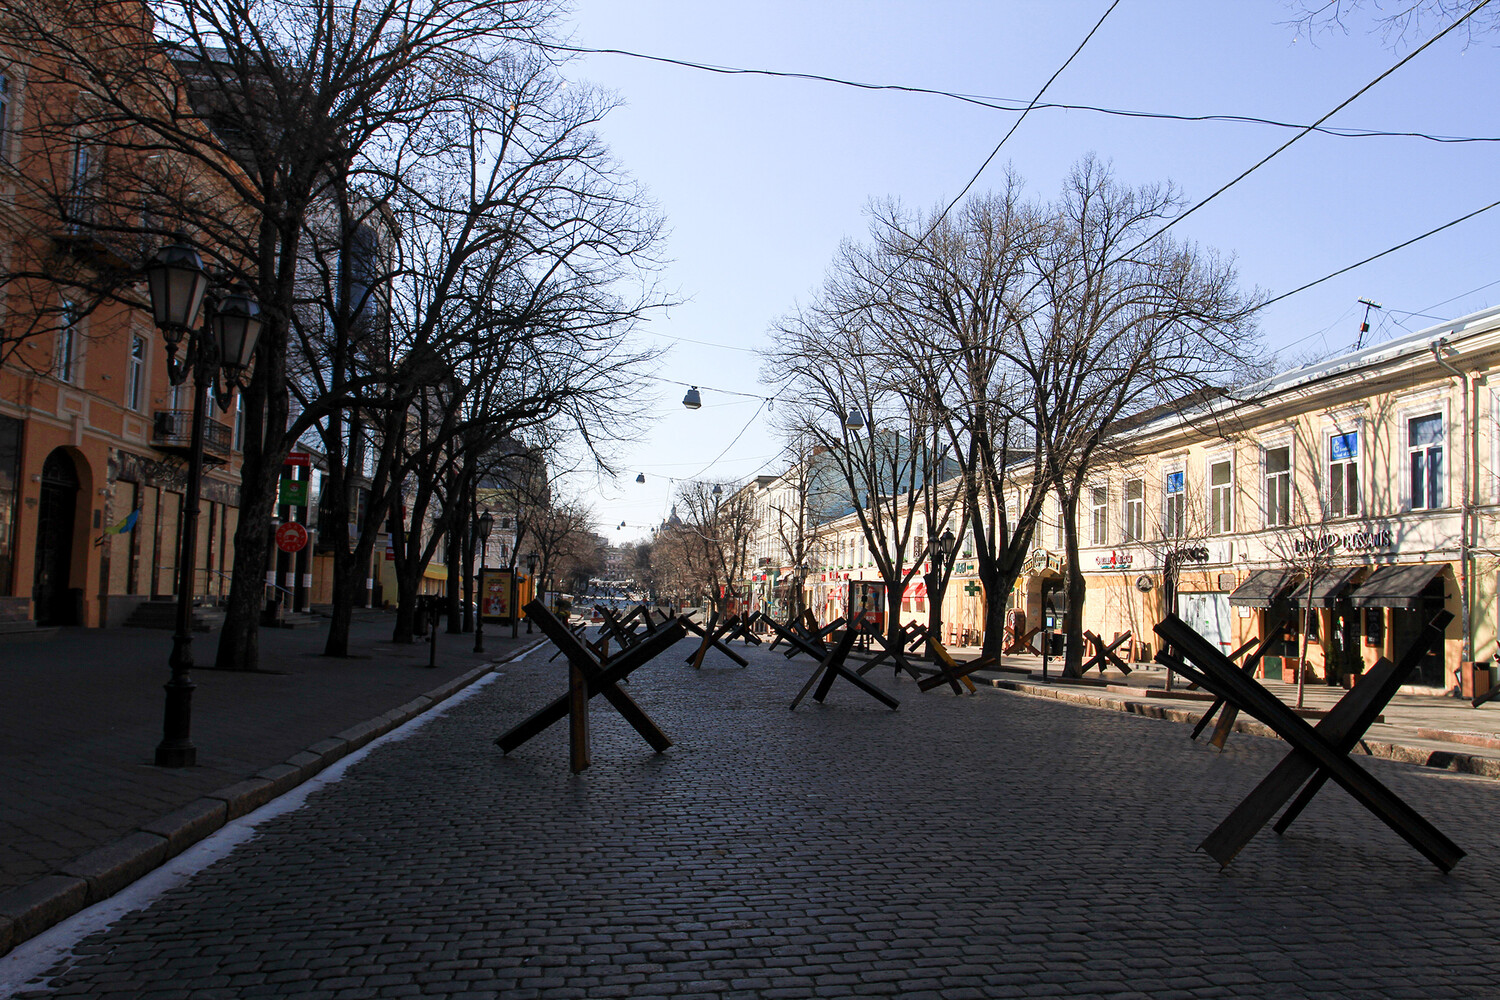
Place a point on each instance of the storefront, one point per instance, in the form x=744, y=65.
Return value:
x=1351, y=617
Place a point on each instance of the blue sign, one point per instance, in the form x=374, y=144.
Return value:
x=1342, y=447
x=1174, y=482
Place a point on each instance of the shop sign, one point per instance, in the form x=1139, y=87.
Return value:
x=1115, y=560
x=291, y=537
x=293, y=492
x=1041, y=560
x=1354, y=541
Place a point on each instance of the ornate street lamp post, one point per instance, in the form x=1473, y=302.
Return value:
x=223, y=346
x=482, y=525
x=940, y=553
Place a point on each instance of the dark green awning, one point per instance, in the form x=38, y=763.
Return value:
x=1396, y=586
x=1263, y=589
x=1328, y=586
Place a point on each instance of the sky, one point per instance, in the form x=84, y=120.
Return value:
x=760, y=179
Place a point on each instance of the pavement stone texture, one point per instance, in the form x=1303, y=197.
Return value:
x=83, y=712
x=984, y=846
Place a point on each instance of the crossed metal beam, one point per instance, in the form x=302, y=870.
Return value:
x=589, y=676
x=832, y=667
x=1318, y=753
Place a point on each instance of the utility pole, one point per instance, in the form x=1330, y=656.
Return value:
x=1364, y=326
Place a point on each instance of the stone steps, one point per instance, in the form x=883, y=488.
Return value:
x=163, y=614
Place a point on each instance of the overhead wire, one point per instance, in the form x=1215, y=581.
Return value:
x=1307, y=129
x=1006, y=103
x=1389, y=250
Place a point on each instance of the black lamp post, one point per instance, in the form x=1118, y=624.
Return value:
x=482, y=525
x=940, y=553
x=223, y=346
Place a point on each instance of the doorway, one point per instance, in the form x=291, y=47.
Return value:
x=1406, y=628
x=56, y=512
x=1207, y=613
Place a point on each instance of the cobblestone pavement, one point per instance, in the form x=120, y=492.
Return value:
x=82, y=715
x=985, y=846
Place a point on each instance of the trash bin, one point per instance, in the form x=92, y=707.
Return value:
x=1056, y=643
x=420, y=616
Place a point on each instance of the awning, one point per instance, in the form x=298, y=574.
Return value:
x=1328, y=587
x=435, y=572
x=1396, y=586
x=1263, y=589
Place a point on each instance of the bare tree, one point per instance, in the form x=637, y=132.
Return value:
x=953, y=296
x=833, y=359
x=713, y=538
x=1120, y=321
x=1399, y=24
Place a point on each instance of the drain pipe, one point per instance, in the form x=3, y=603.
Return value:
x=1465, y=509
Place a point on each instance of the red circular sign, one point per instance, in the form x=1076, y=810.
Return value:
x=291, y=537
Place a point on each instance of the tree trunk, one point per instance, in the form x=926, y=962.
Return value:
x=406, y=608
x=934, y=610
x=893, y=594
x=452, y=592
x=1076, y=588
x=345, y=591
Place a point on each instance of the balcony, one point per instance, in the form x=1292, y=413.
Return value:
x=91, y=233
x=172, y=432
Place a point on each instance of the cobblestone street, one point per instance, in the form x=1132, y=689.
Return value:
x=985, y=846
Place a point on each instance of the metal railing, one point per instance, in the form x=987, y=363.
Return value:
x=174, y=429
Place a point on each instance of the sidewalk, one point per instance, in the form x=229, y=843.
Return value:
x=1430, y=730
x=84, y=811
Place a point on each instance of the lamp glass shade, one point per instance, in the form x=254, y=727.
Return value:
x=640, y=477
x=855, y=420
x=718, y=490
x=177, y=283
x=485, y=522
x=693, y=400
x=237, y=326
x=948, y=541
x=531, y=562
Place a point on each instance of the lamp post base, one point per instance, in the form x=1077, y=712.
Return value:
x=176, y=748
x=176, y=756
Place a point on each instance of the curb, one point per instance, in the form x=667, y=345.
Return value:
x=29, y=909
x=1445, y=760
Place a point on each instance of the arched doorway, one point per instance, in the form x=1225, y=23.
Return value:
x=56, y=513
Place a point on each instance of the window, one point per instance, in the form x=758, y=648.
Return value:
x=1057, y=528
x=1278, y=487
x=1343, y=475
x=1176, y=513
x=137, y=372
x=1220, y=498
x=1099, y=509
x=1135, y=510
x=65, y=365
x=80, y=206
x=1424, y=441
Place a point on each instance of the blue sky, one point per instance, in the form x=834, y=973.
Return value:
x=759, y=179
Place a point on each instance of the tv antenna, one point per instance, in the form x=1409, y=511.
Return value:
x=1364, y=326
